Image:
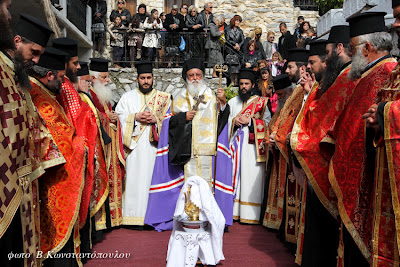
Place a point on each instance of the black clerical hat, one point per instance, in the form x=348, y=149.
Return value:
x=318, y=47
x=67, y=45
x=144, y=67
x=247, y=74
x=395, y=3
x=52, y=59
x=339, y=34
x=99, y=64
x=84, y=70
x=298, y=55
x=281, y=82
x=367, y=22
x=192, y=64
x=33, y=29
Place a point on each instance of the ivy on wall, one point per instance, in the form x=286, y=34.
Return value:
x=326, y=5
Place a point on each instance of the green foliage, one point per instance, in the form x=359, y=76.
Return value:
x=230, y=92
x=326, y=5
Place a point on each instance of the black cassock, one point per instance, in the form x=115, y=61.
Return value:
x=180, y=136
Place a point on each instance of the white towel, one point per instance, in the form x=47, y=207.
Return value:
x=203, y=198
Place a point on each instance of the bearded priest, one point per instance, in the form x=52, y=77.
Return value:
x=141, y=112
x=250, y=113
x=195, y=123
x=110, y=214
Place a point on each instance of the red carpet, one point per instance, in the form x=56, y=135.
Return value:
x=244, y=245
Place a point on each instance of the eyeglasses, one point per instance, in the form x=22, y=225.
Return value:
x=352, y=47
x=210, y=7
x=184, y=7
x=121, y=3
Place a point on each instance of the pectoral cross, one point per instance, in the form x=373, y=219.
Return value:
x=199, y=99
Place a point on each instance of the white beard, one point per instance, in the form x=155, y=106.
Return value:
x=196, y=87
x=358, y=64
x=103, y=91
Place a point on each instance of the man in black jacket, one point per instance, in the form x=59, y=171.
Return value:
x=286, y=41
x=174, y=22
x=99, y=10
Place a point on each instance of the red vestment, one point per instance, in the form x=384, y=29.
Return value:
x=349, y=173
x=115, y=163
x=279, y=172
x=83, y=119
x=61, y=186
x=387, y=207
x=312, y=128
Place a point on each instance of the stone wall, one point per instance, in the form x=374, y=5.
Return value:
x=167, y=80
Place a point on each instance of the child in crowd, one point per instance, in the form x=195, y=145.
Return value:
x=116, y=31
x=276, y=64
x=152, y=37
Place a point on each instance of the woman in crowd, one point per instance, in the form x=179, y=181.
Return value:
x=195, y=41
x=270, y=46
x=251, y=55
x=152, y=37
x=303, y=36
x=135, y=38
x=276, y=64
x=122, y=12
x=235, y=38
x=184, y=11
x=262, y=63
x=117, y=41
x=214, y=44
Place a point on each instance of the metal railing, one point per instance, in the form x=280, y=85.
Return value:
x=170, y=51
x=306, y=4
x=76, y=13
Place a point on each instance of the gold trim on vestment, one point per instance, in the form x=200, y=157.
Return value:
x=293, y=143
x=14, y=204
x=377, y=209
x=72, y=223
x=328, y=140
x=133, y=221
x=245, y=105
x=101, y=224
x=249, y=221
x=130, y=123
x=392, y=176
x=89, y=101
x=248, y=203
x=300, y=236
x=345, y=217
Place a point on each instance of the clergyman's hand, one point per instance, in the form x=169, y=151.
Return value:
x=307, y=81
x=151, y=120
x=112, y=115
x=190, y=115
x=141, y=117
x=272, y=139
x=238, y=121
x=371, y=118
x=221, y=96
x=245, y=120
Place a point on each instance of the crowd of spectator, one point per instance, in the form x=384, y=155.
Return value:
x=186, y=32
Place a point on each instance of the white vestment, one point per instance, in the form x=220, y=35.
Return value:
x=250, y=191
x=140, y=161
x=204, y=132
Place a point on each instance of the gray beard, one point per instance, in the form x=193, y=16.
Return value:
x=358, y=64
x=196, y=88
x=103, y=92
